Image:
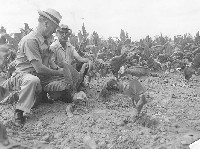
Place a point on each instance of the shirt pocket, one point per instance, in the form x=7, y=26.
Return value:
x=44, y=49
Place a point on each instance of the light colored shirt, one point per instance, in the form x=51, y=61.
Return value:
x=32, y=47
x=62, y=55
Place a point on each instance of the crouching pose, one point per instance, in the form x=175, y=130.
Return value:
x=64, y=52
x=33, y=76
x=30, y=62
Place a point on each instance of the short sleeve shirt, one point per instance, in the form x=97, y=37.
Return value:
x=61, y=54
x=31, y=47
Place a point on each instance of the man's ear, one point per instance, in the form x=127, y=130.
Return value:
x=56, y=33
x=46, y=23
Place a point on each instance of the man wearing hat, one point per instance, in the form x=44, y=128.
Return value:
x=31, y=62
x=64, y=52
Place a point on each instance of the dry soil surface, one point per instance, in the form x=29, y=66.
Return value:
x=170, y=119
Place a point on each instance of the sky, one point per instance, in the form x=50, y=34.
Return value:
x=138, y=18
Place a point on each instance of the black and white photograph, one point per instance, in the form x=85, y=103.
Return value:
x=100, y=74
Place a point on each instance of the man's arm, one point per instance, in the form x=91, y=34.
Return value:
x=52, y=63
x=33, y=55
x=82, y=59
x=79, y=58
x=40, y=68
x=54, y=66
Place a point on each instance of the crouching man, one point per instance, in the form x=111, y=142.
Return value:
x=64, y=52
x=31, y=62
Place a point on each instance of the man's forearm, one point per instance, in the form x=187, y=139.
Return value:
x=46, y=70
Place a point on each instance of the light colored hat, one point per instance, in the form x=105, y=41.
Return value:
x=52, y=15
x=63, y=28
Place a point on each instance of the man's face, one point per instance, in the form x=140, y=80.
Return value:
x=50, y=28
x=63, y=36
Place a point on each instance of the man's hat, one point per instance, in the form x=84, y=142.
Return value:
x=63, y=28
x=52, y=15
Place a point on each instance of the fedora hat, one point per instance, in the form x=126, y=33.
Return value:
x=63, y=28
x=52, y=15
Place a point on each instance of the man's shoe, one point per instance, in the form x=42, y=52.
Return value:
x=19, y=119
x=46, y=98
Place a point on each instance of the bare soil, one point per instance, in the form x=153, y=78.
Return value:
x=170, y=119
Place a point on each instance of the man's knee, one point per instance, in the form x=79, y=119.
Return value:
x=34, y=80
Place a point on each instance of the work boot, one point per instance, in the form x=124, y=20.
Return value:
x=42, y=98
x=19, y=119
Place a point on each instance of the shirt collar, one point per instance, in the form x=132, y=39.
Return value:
x=58, y=43
x=68, y=43
x=39, y=36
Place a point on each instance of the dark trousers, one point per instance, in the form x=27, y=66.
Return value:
x=66, y=94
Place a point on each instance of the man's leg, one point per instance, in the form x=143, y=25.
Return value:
x=45, y=80
x=29, y=84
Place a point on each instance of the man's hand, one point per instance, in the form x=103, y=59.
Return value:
x=61, y=72
x=42, y=69
x=60, y=69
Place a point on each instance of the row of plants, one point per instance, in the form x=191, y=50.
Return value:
x=105, y=49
